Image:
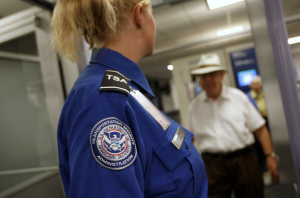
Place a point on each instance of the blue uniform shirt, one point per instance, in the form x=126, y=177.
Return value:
x=110, y=146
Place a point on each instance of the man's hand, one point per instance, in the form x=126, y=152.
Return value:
x=265, y=140
x=272, y=167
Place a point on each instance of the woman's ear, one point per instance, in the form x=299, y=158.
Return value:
x=139, y=16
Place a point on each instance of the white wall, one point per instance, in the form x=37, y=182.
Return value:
x=72, y=70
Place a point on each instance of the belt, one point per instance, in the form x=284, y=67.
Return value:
x=236, y=153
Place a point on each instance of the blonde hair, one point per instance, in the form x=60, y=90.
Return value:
x=96, y=20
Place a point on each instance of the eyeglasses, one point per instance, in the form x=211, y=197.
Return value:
x=211, y=75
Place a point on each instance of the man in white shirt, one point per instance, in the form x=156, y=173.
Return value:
x=223, y=119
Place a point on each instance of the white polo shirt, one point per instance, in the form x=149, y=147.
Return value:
x=225, y=124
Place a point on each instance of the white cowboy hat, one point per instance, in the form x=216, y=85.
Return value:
x=208, y=63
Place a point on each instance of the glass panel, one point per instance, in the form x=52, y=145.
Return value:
x=25, y=132
x=7, y=181
x=21, y=45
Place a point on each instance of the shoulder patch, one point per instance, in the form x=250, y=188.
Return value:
x=113, y=145
x=115, y=81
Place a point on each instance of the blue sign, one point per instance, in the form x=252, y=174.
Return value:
x=245, y=68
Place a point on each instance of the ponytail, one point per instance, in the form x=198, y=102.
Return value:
x=96, y=20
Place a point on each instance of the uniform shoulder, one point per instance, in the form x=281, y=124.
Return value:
x=115, y=81
x=96, y=79
x=234, y=92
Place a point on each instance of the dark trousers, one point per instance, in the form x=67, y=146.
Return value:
x=240, y=173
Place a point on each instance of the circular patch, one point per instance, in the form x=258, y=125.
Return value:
x=112, y=143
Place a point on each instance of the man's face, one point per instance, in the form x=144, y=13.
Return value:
x=256, y=86
x=211, y=82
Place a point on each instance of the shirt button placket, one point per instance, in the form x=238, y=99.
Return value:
x=187, y=146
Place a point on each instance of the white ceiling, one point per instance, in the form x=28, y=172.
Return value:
x=194, y=24
x=187, y=28
x=192, y=20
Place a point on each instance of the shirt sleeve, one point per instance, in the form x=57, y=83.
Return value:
x=83, y=173
x=253, y=118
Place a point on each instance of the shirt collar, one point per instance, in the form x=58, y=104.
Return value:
x=253, y=94
x=256, y=95
x=224, y=94
x=117, y=61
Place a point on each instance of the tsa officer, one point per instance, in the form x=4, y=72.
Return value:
x=112, y=141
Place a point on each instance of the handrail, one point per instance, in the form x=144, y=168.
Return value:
x=13, y=18
x=26, y=183
x=29, y=170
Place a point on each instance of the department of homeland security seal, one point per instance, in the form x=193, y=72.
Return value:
x=113, y=144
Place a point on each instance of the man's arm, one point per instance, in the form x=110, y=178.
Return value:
x=265, y=140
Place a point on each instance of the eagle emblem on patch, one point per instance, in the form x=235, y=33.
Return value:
x=113, y=144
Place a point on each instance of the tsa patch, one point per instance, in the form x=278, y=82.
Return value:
x=112, y=143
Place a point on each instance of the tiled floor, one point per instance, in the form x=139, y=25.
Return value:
x=281, y=191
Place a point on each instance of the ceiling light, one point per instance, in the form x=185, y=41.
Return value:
x=230, y=31
x=170, y=67
x=294, y=40
x=214, y=4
